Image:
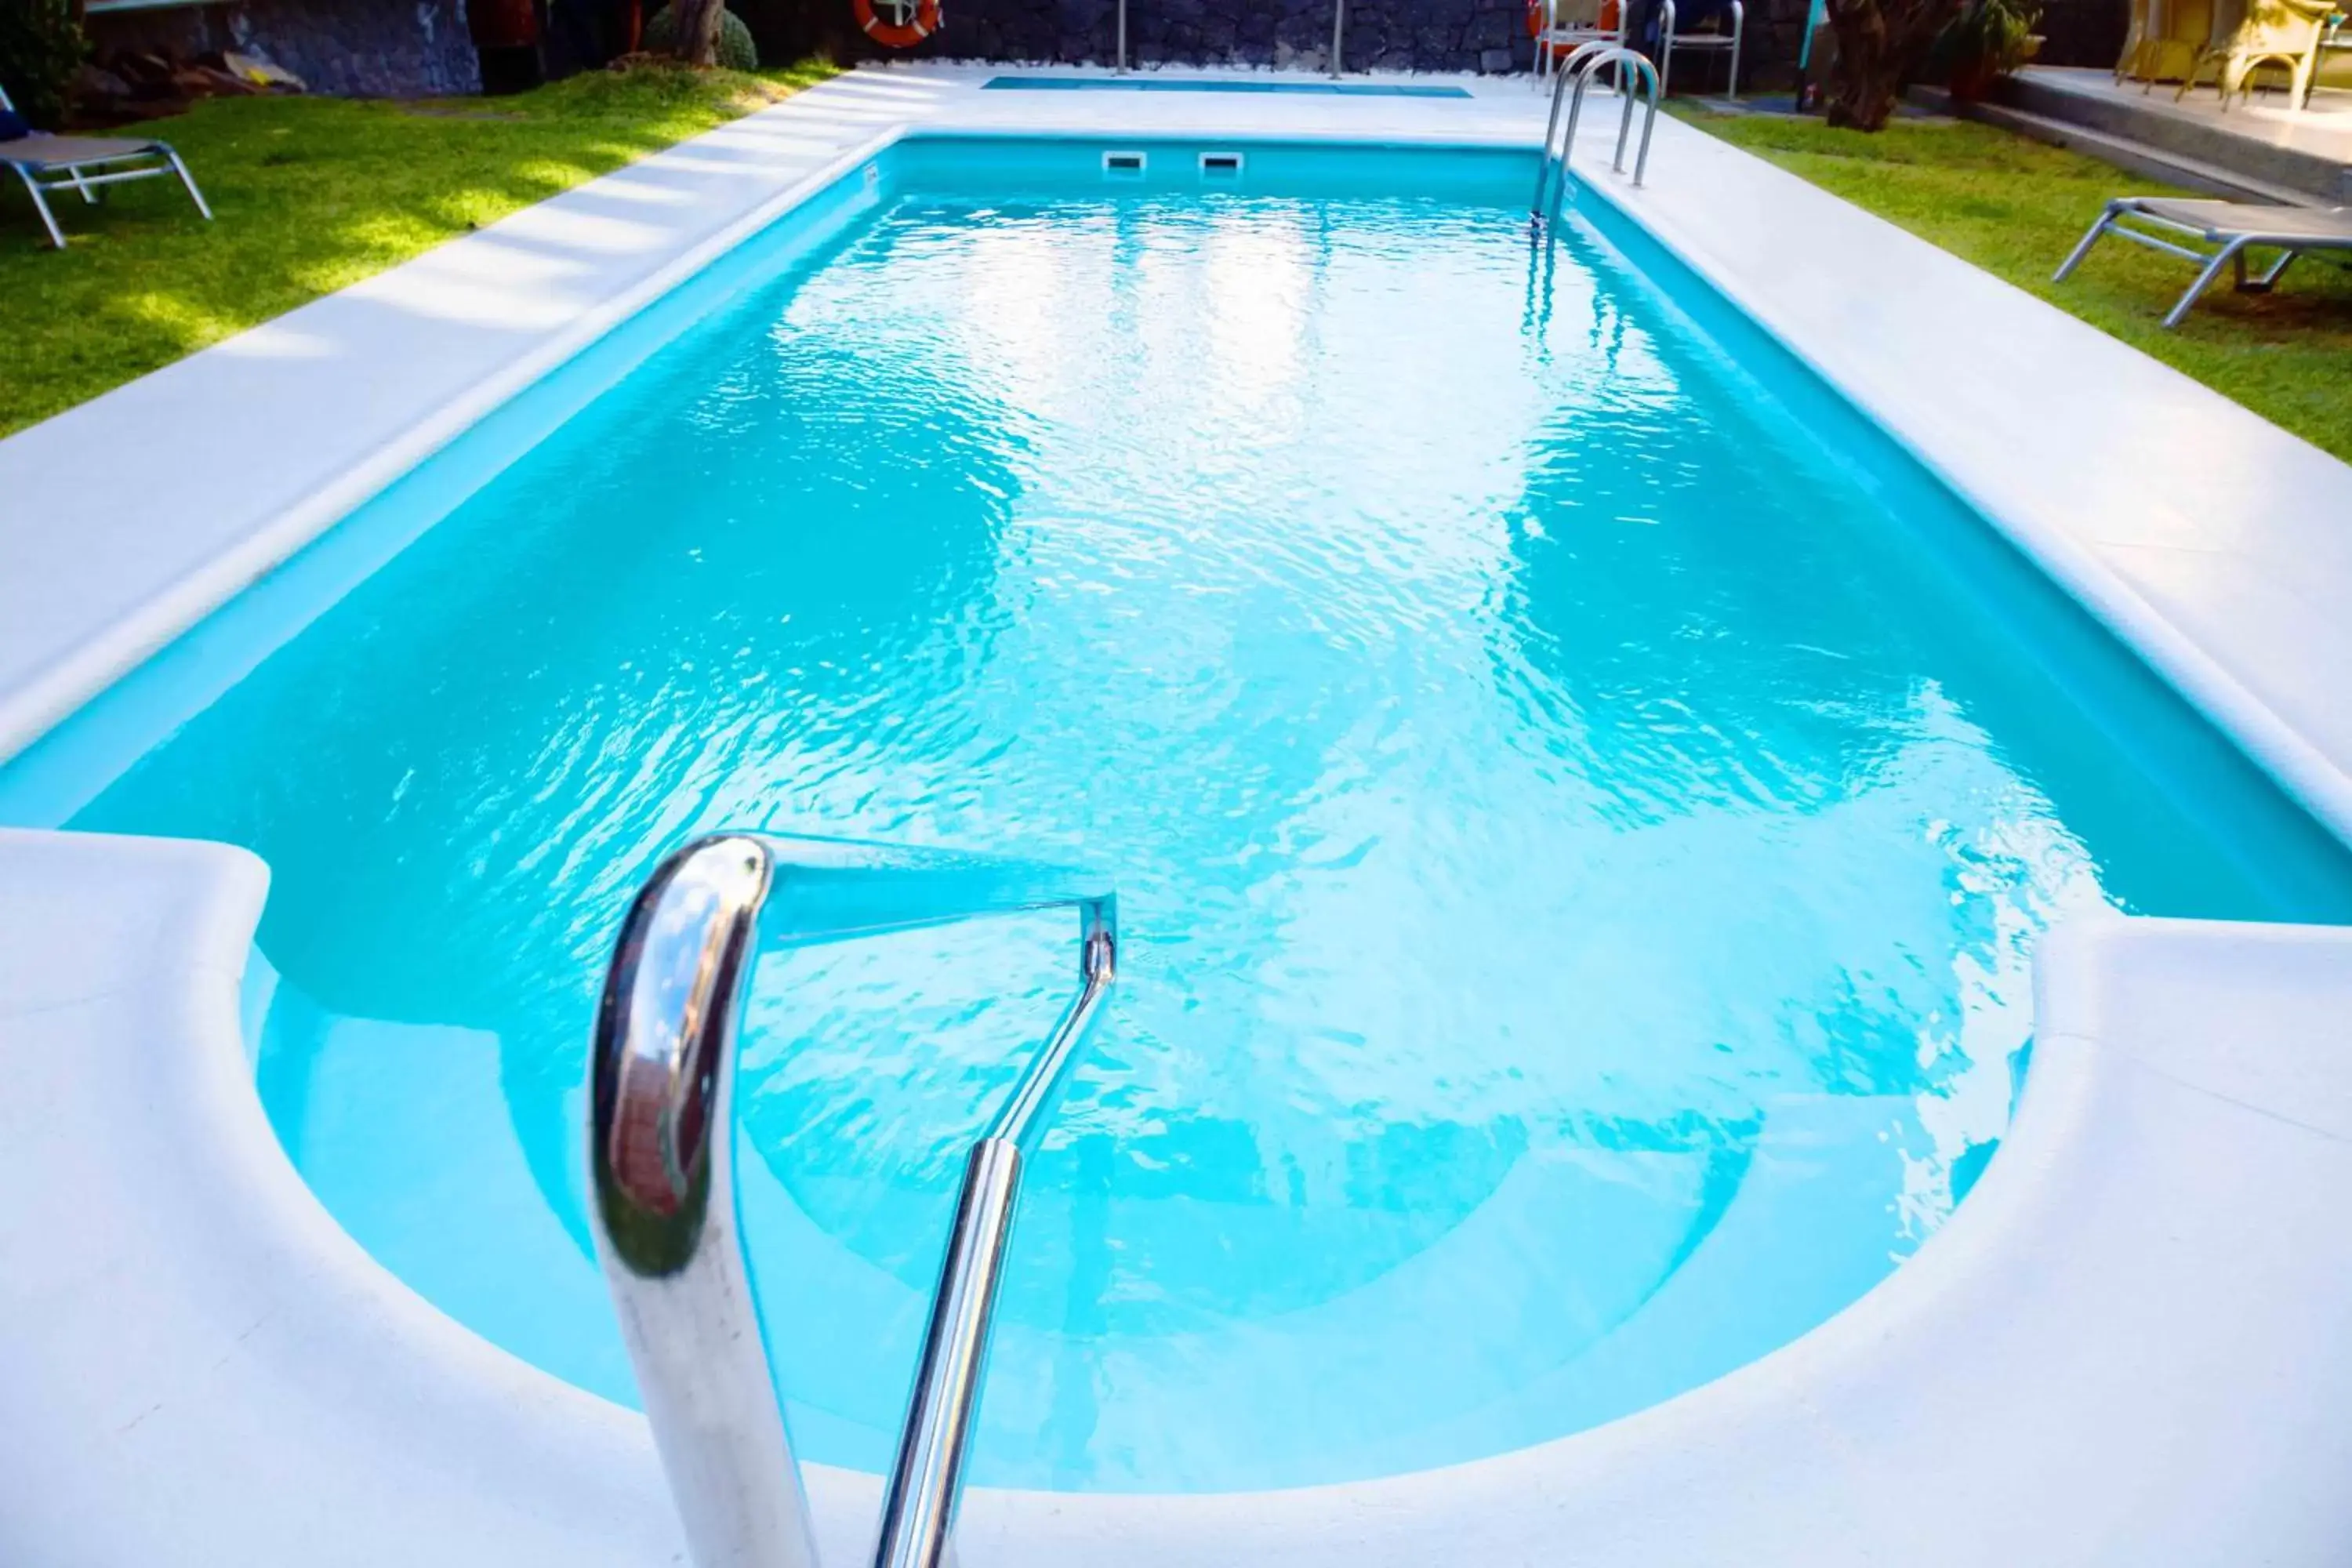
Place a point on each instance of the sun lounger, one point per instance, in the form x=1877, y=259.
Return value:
x=2233, y=228
x=83, y=163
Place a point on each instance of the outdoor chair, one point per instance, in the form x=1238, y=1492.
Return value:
x=2281, y=33
x=2233, y=227
x=1680, y=28
x=2165, y=40
x=1566, y=23
x=82, y=163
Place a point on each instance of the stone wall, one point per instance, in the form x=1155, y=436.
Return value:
x=1775, y=40
x=1482, y=36
x=1388, y=34
x=351, y=48
x=409, y=49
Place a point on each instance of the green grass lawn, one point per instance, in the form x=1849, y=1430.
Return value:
x=312, y=193
x=2015, y=207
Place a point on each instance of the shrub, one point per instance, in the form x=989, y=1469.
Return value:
x=1989, y=38
x=737, y=52
x=40, y=46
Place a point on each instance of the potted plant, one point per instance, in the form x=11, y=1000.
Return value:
x=1985, y=41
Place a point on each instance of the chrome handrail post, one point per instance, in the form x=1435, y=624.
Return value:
x=1022, y=1120
x=1586, y=70
x=1649, y=123
x=1625, y=127
x=1543, y=158
x=661, y=1124
x=926, y=1478
x=1583, y=64
x=927, y=1474
x=1646, y=76
x=661, y=1170
x=1339, y=19
x=1571, y=67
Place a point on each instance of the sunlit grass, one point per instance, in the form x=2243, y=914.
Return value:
x=312, y=195
x=2015, y=206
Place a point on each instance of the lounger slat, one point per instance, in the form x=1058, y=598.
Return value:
x=2221, y=220
x=41, y=150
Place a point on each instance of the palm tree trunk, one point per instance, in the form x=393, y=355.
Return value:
x=1880, y=44
x=697, y=30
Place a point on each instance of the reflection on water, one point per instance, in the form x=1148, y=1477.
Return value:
x=1581, y=823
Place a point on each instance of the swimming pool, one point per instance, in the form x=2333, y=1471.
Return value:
x=1219, y=84
x=1580, y=803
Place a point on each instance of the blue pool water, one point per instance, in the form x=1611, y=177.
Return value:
x=1219, y=84
x=1582, y=807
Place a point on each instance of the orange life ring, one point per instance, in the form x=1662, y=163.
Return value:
x=898, y=35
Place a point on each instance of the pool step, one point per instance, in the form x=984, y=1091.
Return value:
x=1810, y=1230
x=1247, y=1381
x=406, y=1133
x=2133, y=157
x=2146, y=135
x=1524, y=1340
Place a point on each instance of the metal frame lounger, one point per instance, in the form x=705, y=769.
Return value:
x=2234, y=227
x=82, y=163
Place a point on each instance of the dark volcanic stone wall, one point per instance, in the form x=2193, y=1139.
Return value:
x=1482, y=36
x=1388, y=34
x=353, y=48
x=405, y=49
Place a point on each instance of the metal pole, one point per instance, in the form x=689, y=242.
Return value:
x=661, y=1144
x=189, y=180
x=1121, y=67
x=661, y=1155
x=919, y=1510
x=1649, y=123
x=1339, y=20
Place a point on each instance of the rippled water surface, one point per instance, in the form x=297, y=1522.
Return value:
x=1582, y=810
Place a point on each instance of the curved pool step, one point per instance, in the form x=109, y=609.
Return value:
x=1807, y=1232
x=2132, y=1345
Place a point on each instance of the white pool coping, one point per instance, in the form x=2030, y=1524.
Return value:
x=2130, y=1346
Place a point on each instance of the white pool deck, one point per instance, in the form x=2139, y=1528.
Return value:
x=2133, y=1345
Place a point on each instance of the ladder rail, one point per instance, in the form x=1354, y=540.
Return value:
x=1580, y=67
x=919, y=1510
x=1571, y=67
x=663, y=1208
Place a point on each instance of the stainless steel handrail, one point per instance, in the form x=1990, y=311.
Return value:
x=919, y=1508
x=1339, y=20
x=661, y=1119
x=1582, y=64
x=1571, y=66
x=1644, y=73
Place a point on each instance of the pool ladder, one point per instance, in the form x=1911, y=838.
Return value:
x=661, y=1170
x=1575, y=74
